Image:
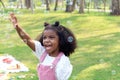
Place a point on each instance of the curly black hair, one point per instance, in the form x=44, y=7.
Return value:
x=67, y=40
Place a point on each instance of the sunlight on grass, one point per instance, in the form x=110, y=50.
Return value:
x=98, y=33
x=89, y=72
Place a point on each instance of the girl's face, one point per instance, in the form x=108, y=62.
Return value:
x=50, y=42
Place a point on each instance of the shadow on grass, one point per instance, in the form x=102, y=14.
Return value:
x=97, y=57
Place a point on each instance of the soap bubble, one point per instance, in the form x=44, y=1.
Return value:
x=101, y=61
x=69, y=22
x=70, y=39
x=113, y=72
x=118, y=64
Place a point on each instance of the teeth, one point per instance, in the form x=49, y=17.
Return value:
x=48, y=48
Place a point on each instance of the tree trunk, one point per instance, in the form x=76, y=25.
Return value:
x=87, y=5
x=32, y=6
x=73, y=5
x=19, y=3
x=28, y=3
x=56, y=5
x=47, y=5
x=68, y=6
x=2, y=3
x=95, y=4
x=115, y=7
x=104, y=2
x=81, y=9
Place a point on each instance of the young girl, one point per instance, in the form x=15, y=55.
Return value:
x=52, y=48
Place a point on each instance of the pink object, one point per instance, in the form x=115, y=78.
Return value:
x=7, y=60
x=48, y=72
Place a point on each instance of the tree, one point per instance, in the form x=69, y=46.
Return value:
x=19, y=3
x=2, y=3
x=95, y=4
x=73, y=5
x=81, y=8
x=87, y=4
x=115, y=7
x=68, y=6
x=28, y=3
x=104, y=2
x=47, y=5
x=32, y=6
x=56, y=5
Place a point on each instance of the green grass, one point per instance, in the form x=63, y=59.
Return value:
x=98, y=37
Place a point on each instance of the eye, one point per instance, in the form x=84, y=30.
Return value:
x=44, y=37
x=51, y=37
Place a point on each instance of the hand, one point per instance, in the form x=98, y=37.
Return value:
x=13, y=19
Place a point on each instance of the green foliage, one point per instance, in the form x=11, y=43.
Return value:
x=39, y=3
x=98, y=39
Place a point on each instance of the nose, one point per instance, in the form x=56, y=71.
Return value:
x=46, y=40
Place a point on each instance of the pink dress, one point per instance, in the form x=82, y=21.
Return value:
x=48, y=72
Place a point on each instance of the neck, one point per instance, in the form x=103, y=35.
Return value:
x=53, y=54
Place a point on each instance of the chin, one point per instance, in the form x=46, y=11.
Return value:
x=48, y=51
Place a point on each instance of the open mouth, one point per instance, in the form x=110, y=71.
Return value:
x=48, y=47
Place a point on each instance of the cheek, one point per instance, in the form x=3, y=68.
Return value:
x=57, y=43
x=44, y=42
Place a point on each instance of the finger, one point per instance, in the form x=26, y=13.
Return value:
x=12, y=15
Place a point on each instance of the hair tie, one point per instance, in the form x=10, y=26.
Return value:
x=57, y=23
x=47, y=24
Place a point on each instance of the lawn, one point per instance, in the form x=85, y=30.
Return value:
x=97, y=56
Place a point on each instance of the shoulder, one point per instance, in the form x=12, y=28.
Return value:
x=64, y=60
x=39, y=49
x=64, y=66
x=36, y=42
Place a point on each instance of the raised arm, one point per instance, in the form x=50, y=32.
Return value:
x=23, y=35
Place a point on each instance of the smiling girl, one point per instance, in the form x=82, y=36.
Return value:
x=52, y=48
